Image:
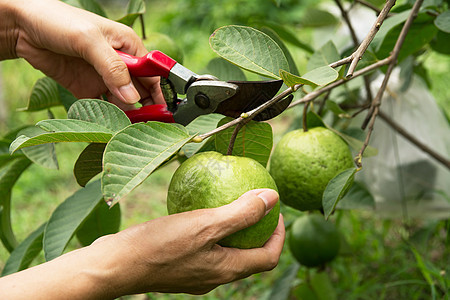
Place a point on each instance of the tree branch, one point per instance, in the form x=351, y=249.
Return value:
x=374, y=110
x=309, y=97
x=444, y=161
x=358, y=54
x=313, y=95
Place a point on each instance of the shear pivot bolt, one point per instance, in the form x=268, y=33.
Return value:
x=202, y=101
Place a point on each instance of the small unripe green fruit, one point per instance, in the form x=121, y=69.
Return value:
x=313, y=241
x=210, y=179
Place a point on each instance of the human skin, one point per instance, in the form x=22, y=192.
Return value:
x=76, y=48
x=176, y=253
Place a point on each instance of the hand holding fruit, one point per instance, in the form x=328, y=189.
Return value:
x=76, y=48
x=176, y=253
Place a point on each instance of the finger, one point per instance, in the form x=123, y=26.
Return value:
x=119, y=103
x=153, y=89
x=246, y=262
x=113, y=70
x=241, y=213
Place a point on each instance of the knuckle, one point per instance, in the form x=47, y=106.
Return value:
x=83, y=35
x=252, y=211
x=205, y=226
x=116, y=67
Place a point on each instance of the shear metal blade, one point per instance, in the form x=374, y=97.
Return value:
x=252, y=94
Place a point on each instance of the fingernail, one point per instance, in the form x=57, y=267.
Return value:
x=270, y=198
x=129, y=93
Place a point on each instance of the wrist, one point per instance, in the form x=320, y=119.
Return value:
x=9, y=29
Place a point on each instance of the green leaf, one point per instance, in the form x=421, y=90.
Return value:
x=320, y=76
x=64, y=130
x=282, y=287
x=421, y=32
x=387, y=25
x=67, y=98
x=326, y=55
x=314, y=17
x=254, y=140
x=336, y=189
x=442, y=21
x=68, y=217
x=425, y=272
x=322, y=286
x=291, y=80
x=103, y=220
x=274, y=36
x=9, y=173
x=92, y=6
x=336, y=109
x=89, y=163
x=441, y=43
x=43, y=155
x=25, y=252
x=305, y=291
x=135, y=152
x=356, y=144
x=44, y=95
x=200, y=125
x=250, y=49
x=286, y=35
x=134, y=10
x=225, y=70
x=99, y=112
x=358, y=197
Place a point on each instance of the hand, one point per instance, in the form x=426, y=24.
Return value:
x=176, y=253
x=179, y=253
x=76, y=48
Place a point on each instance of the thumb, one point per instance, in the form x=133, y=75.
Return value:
x=243, y=212
x=114, y=72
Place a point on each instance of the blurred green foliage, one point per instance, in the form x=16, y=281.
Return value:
x=377, y=262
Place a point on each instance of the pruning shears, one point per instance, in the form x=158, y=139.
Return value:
x=205, y=94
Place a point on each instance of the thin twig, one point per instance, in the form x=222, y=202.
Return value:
x=322, y=104
x=347, y=20
x=341, y=62
x=414, y=140
x=358, y=54
x=374, y=110
x=369, y=5
x=309, y=97
x=313, y=95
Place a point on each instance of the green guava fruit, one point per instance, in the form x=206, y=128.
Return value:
x=210, y=179
x=303, y=163
x=313, y=241
x=163, y=43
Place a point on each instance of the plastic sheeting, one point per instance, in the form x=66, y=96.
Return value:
x=404, y=180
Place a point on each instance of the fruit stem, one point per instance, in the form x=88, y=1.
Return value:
x=304, y=118
x=233, y=138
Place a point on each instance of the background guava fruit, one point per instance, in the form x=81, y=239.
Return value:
x=313, y=241
x=303, y=163
x=210, y=179
x=163, y=43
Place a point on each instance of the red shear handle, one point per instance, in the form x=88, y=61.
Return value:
x=154, y=63
x=155, y=112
